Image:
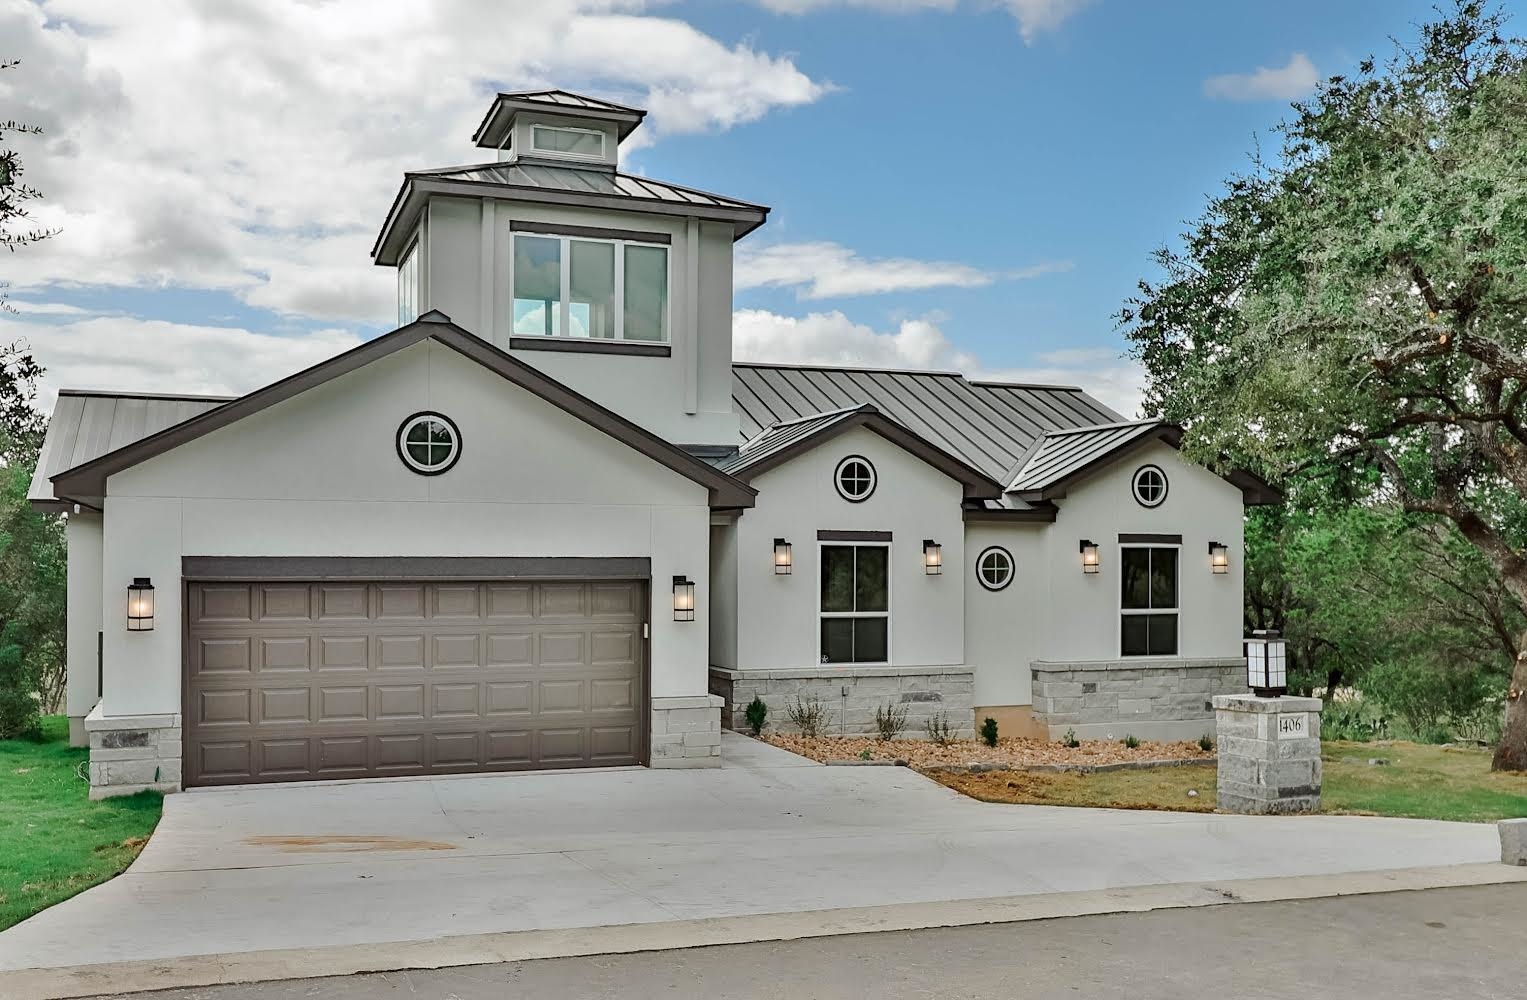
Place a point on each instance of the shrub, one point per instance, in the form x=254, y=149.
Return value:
x=1206, y=743
x=757, y=714
x=20, y=714
x=1130, y=740
x=1426, y=696
x=1070, y=740
x=808, y=715
x=890, y=720
x=939, y=730
x=989, y=731
x=1353, y=721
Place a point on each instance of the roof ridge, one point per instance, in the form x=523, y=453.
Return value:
x=793, y=366
x=1104, y=427
x=1048, y=386
x=861, y=408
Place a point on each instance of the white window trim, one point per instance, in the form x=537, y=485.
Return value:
x=564, y=306
x=410, y=257
x=568, y=128
x=837, y=478
x=890, y=578
x=1122, y=610
x=1012, y=569
x=1134, y=485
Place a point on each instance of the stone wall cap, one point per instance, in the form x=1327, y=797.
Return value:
x=1147, y=663
x=1265, y=706
x=830, y=672
x=97, y=722
x=687, y=701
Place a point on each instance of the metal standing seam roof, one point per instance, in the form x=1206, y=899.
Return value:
x=490, y=132
x=578, y=180
x=1064, y=453
x=779, y=437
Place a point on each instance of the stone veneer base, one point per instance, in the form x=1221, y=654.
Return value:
x=1265, y=768
x=686, y=732
x=133, y=753
x=1162, y=700
x=850, y=695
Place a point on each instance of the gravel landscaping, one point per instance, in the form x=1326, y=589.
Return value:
x=1008, y=753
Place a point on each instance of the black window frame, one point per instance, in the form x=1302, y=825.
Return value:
x=856, y=615
x=1150, y=610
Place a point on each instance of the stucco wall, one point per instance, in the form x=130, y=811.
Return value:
x=777, y=624
x=723, y=600
x=1005, y=630
x=318, y=475
x=83, y=618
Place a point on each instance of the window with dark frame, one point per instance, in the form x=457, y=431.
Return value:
x=855, y=604
x=1148, y=601
x=855, y=478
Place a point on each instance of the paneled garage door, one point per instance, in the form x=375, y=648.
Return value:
x=303, y=681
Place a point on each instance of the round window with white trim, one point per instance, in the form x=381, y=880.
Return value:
x=429, y=443
x=1149, y=486
x=855, y=478
x=994, y=567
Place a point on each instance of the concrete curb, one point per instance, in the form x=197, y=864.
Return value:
x=1123, y=765
x=517, y=946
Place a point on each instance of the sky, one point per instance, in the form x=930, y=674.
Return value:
x=971, y=185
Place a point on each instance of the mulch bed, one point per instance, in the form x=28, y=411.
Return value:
x=1008, y=754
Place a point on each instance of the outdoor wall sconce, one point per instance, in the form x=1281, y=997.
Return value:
x=933, y=557
x=1219, y=557
x=1266, y=663
x=683, y=599
x=1089, y=556
x=140, y=605
x=782, y=559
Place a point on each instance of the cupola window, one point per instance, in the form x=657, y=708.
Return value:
x=567, y=141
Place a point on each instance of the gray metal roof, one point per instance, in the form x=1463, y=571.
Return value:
x=780, y=436
x=495, y=123
x=576, y=180
x=87, y=425
x=1064, y=453
x=989, y=426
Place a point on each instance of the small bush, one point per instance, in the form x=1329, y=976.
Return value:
x=939, y=730
x=989, y=731
x=808, y=715
x=757, y=714
x=1427, y=696
x=866, y=755
x=1070, y=740
x=890, y=720
x=1206, y=743
x=1130, y=740
x=1354, y=721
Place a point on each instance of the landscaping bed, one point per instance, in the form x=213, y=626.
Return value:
x=55, y=842
x=974, y=755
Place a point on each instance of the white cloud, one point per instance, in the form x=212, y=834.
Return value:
x=1034, y=17
x=831, y=338
x=1038, y=16
x=1284, y=83
x=824, y=270
x=887, y=6
x=254, y=148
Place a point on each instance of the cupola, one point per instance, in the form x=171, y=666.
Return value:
x=557, y=127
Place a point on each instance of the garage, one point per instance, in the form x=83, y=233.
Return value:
x=291, y=680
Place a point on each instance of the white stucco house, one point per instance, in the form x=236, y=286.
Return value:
x=549, y=522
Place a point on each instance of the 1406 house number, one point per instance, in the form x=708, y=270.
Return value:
x=1293, y=727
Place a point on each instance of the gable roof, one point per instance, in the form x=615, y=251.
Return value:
x=490, y=133
x=784, y=441
x=1062, y=455
x=87, y=481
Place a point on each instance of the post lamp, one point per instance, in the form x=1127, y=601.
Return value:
x=1267, y=663
x=933, y=557
x=140, y=605
x=683, y=599
x=782, y=559
x=1219, y=557
x=1089, y=550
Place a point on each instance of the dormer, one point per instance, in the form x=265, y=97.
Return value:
x=557, y=128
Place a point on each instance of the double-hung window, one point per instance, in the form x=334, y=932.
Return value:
x=408, y=286
x=856, y=604
x=568, y=286
x=1148, y=602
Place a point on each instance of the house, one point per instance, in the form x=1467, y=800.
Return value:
x=548, y=522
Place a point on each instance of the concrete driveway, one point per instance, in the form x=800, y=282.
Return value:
x=309, y=866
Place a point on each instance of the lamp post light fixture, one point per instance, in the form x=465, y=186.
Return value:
x=1089, y=550
x=933, y=557
x=140, y=605
x=683, y=599
x=1219, y=557
x=782, y=558
x=1267, y=663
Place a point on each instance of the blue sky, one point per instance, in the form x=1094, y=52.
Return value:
x=1022, y=157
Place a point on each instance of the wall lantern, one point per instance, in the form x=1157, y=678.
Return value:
x=683, y=599
x=781, y=557
x=1266, y=663
x=1219, y=557
x=933, y=557
x=140, y=605
x=1089, y=550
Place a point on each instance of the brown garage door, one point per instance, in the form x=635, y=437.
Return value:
x=302, y=681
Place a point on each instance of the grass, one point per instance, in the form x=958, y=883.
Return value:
x=1420, y=781
x=54, y=841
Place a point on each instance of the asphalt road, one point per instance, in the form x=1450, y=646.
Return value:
x=1441, y=943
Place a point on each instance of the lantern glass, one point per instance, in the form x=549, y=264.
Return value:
x=140, y=605
x=683, y=599
x=782, y=557
x=933, y=557
x=1090, y=558
x=1219, y=557
x=1266, y=663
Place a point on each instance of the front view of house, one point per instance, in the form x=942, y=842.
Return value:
x=548, y=522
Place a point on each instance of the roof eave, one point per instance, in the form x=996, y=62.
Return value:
x=1040, y=513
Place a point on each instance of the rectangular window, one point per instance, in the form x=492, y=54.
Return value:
x=567, y=141
x=603, y=289
x=856, y=606
x=408, y=286
x=1148, y=601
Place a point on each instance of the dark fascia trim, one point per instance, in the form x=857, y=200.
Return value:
x=256, y=568
x=592, y=232
x=1040, y=514
x=89, y=479
x=1145, y=538
x=587, y=345
x=826, y=535
x=978, y=485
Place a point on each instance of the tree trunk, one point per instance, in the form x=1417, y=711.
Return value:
x=1511, y=754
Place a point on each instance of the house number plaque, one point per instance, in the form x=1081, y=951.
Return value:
x=1295, y=726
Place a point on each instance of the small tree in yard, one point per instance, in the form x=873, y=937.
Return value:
x=757, y=713
x=1355, y=315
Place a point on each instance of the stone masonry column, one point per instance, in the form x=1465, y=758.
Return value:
x=1269, y=754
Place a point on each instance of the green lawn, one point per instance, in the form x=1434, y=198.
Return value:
x=54, y=841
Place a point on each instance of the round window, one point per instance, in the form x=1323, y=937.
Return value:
x=1149, y=485
x=429, y=443
x=855, y=477
x=994, y=567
